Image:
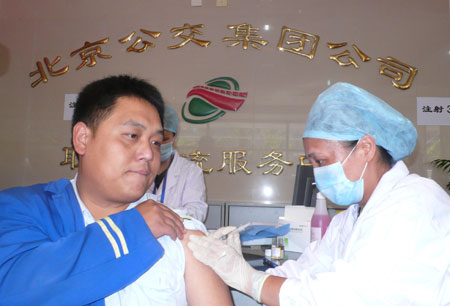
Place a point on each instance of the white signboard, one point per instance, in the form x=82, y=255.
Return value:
x=433, y=111
x=69, y=105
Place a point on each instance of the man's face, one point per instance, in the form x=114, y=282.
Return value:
x=122, y=158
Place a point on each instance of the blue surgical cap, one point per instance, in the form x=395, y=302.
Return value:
x=346, y=112
x=170, y=119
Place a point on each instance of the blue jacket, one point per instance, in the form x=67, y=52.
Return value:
x=49, y=257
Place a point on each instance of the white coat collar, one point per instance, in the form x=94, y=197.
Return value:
x=174, y=167
x=385, y=185
x=173, y=172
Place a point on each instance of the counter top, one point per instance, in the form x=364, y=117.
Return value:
x=255, y=256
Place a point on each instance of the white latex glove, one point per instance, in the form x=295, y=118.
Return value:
x=225, y=258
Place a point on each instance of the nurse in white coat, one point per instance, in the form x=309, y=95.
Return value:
x=390, y=248
x=179, y=184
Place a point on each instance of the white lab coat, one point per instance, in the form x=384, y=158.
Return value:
x=397, y=252
x=185, y=188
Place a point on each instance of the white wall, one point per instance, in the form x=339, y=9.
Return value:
x=281, y=86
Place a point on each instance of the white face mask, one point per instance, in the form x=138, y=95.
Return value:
x=166, y=150
x=334, y=184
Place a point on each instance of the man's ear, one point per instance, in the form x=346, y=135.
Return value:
x=81, y=134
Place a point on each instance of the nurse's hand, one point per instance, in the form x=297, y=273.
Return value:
x=225, y=258
x=161, y=220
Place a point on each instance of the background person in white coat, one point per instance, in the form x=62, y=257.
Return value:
x=391, y=248
x=179, y=183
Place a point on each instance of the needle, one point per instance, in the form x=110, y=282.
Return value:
x=237, y=230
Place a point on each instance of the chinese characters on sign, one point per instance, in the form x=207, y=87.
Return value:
x=139, y=40
x=233, y=161
x=42, y=75
x=245, y=34
x=306, y=43
x=394, y=69
x=69, y=158
x=190, y=37
x=69, y=105
x=433, y=111
x=89, y=51
x=351, y=61
x=291, y=40
x=275, y=162
x=199, y=158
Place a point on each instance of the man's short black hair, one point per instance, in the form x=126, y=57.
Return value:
x=97, y=99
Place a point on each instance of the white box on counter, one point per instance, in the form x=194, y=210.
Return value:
x=299, y=218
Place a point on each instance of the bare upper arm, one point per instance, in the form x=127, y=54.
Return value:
x=203, y=285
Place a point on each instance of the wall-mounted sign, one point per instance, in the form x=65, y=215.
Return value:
x=69, y=105
x=291, y=40
x=232, y=161
x=433, y=111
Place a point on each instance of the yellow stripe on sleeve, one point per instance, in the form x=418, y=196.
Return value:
x=110, y=237
x=119, y=234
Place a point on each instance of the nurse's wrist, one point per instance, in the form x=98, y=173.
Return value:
x=271, y=288
x=258, y=279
